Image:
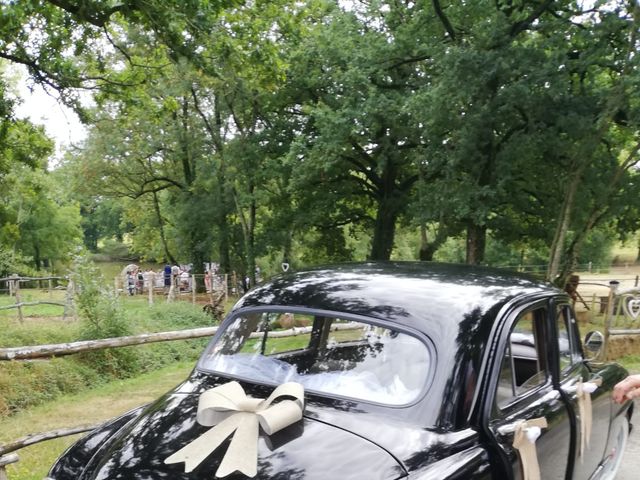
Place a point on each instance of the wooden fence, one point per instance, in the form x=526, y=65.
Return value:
x=180, y=287
x=15, y=290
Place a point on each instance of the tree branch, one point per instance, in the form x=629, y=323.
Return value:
x=88, y=12
x=445, y=21
x=520, y=27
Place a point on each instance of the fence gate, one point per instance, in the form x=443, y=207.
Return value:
x=622, y=313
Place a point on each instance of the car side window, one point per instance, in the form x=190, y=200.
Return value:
x=567, y=341
x=523, y=366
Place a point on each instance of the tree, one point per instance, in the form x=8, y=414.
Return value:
x=354, y=79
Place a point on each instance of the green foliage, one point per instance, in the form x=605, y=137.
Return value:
x=25, y=384
x=177, y=315
x=597, y=248
x=14, y=263
x=310, y=132
x=101, y=316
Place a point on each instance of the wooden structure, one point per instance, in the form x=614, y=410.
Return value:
x=15, y=290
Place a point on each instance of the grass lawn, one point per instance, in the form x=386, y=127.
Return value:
x=89, y=407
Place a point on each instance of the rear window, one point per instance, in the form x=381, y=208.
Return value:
x=326, y=354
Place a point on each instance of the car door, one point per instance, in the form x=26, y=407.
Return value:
x=525, y=391
x=571, y=369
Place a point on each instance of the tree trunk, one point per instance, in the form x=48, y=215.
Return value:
x=384, y=230
x=562, y=227
x=425, y=253
x=248, y=233
x=476, y=243
x=223, y=225
x=428, y=249
x=163, y=238
x=36, y=257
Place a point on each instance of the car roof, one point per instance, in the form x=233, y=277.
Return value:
x=455, y=306
x=422, y=295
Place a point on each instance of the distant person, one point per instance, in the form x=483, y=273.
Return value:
x=175, y=274
x=167, y=277
x=207, y=280
x=185, y=281
x=140, y=281
x=131, y=283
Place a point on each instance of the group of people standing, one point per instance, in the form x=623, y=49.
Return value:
x=138, y=280
x=178, y=276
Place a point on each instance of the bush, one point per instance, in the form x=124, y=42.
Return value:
x=179, y=315
x=101, y=316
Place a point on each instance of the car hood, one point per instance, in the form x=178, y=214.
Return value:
x=309, y=449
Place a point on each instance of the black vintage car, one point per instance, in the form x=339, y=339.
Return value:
x=410, y=370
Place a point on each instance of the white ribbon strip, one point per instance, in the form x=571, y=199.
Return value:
x=583, y=394
x=228, y=409
x=524, y=440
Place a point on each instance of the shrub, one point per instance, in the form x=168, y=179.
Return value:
x=101, y=316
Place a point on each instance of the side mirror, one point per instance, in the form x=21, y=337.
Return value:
x=593, y=344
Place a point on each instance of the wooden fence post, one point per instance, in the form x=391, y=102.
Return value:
x=16, y=291
x=613, y=289
x=172, y=289
x=50, y=285
x=151, y=285
x=4, y=461
x=193, y=289
x=68, y=301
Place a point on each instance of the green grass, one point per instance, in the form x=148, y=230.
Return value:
x=90, y=407
x=630, y=362
x=34, y=295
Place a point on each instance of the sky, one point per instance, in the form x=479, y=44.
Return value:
x=60, y=123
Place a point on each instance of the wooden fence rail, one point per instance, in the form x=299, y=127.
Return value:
x=31, y=304
x=30, y=279
x=7, y=460
x=15, y=289
x=61, y=349
x=34, y=438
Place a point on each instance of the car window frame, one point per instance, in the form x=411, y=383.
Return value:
x=494, y=410
x=577, y=354
x=422, y=337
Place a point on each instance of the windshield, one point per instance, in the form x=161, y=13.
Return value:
x=325, y=354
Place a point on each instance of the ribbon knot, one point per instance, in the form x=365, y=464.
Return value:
x=231, y=412
x=524, y=440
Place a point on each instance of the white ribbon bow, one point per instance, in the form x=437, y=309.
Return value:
x=228, y=409
x=524, y=440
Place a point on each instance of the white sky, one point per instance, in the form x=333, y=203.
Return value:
x=60, y=123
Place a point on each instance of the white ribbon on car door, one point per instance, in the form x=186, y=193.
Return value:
x=583, y=391
x=526, y=432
